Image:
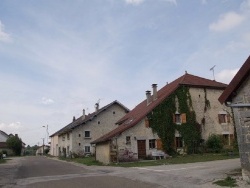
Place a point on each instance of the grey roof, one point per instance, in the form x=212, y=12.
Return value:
x=81, y=120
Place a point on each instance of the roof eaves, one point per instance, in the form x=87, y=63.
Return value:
x=235, y=83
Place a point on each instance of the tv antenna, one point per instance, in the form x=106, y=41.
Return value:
x=212, y=69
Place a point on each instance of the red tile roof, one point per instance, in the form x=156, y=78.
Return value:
x=142, y=109
x=236, y=82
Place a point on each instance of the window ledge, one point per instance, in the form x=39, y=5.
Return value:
x=87, y=137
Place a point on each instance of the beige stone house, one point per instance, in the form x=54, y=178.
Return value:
x=3, y=146
x=54, y=145
x=237, y=96
x=76, y=136
x=134, y=138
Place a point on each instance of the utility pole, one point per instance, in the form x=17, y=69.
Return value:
x=43, y=146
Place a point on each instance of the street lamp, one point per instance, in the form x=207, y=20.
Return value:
x=47, y=132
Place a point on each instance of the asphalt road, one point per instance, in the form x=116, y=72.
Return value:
x=40, y=172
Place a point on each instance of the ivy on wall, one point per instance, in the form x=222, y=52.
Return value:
x=161, y=121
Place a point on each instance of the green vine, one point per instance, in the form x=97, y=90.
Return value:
x=207, y=102
x=161, y=121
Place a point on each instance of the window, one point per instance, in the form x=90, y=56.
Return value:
x=79, y=144
x=63, y=138
x=79, y=135
x=87, y=149
x=178, y=142
x=68, y=136
x=87, y=134
x=128, y=140
x=98, y=122
x=179, y=118
x=152, y=144
x=113, y=112
x=224, y=118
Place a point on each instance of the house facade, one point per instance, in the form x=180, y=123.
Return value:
x=75, y=138
x=136, y=135
x=54, y=145
x=3, y=146
x=237, y=96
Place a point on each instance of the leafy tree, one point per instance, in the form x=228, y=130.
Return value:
x=214, y=143
x=15, y=143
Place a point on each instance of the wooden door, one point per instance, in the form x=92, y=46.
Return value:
x=141, y=144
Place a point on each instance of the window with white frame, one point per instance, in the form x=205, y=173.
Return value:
x=87, y=134
x=152, y=144
x=87, y=149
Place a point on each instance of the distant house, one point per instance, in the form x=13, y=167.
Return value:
x=75, y=138
x=3, y=146
x=185, y=109
x=41, y=150
x=237, y=96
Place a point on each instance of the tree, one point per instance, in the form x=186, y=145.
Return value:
x=15, y=143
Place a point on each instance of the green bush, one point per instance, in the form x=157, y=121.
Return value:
x=214, y=143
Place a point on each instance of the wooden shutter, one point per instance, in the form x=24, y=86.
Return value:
x=228, y=118
x=183, y=118
x=159, y=144
x=219, y=117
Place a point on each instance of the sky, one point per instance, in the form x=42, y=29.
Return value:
x=58, y=57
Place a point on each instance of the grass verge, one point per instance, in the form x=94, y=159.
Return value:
x=174, y=160
x=2, y=161
x=227, y=182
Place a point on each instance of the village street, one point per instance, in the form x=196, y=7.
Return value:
x=46, y=172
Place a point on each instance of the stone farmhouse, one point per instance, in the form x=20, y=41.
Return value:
x=237, y=96
x=75, y=138
x=180, y=116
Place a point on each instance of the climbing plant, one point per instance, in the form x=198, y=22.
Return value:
x=161, y=121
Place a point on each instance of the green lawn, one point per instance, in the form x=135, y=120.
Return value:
x=174, y=160
x=2, y=161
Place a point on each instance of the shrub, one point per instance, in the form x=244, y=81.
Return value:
x=214, y=143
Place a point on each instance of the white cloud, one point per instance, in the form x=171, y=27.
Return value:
x=137, y=2
x=134, y=2
x=5, y=37
x=172, y=1
x=226, y=22
x=10, y=128
x=226, y=75
x=47, y=101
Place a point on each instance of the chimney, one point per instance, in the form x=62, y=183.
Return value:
x=154, y=86
x=96, y=107
x=83, y=114
x=74, y=118
x=148, y=96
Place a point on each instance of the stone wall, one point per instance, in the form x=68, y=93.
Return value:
x=208, y=119
x=242, y=122
x=98, y=126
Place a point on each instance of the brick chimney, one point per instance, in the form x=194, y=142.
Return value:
x=148, y=97
x=154, y=86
